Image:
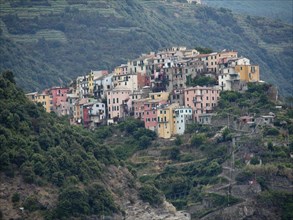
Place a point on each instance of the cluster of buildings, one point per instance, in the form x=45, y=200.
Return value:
x=153, y=88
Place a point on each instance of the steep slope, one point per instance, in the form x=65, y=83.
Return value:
x=275, y=10
x=69, y=38
x=229, y=169
x=51, y=170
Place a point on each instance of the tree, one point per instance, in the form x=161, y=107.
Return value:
x=149, y=193
x=144, y=141
x=72, y=201
x=9, y=76
x=178, y=141
x=175, y=153
x=197, y=139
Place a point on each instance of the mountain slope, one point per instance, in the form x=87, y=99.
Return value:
x=69, y=38
x=275, y=9
x=57, y=171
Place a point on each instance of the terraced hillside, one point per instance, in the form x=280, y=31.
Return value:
x=275, y=9
x=48, y=42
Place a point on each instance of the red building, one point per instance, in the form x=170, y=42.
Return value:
x=150, y=113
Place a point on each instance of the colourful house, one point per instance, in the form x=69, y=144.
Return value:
x=166, y=126
x=182, y=116
x=138, y=108
x=201, y=99
x=44, y=98
x=151, y=113
x=94, y=114
x=119, y=103
x=248, y=73
x=92, y=76
x=59, y=95
x=159, y=96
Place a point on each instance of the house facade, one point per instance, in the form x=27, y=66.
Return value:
x=182, y=116
x=201, y=99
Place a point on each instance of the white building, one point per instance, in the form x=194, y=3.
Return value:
x=183, y=116
x=229, y=79
x=102, y=84
x=128, y=82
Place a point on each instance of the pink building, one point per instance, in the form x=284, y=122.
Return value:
x=150, y=113
x=138, y=108
x=59, y=96
x=202, y=100
x=119, y=103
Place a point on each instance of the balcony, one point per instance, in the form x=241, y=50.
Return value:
x=196, y=101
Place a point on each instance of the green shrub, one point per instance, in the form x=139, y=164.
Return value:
x=178, y=141
x=15, y=197
x=244, y=177
x=254, y=161
x=31, y=203
x=144, y=142
x=197, y=139
x=149, y=193
x=175, y=153
x=72, y=201
x=271, y=131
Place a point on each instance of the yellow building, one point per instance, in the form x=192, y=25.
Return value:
x=248, y=73
x=91, y=82
x=44, y=98
x=159, y=95
x=166, y=126
x=121, y=70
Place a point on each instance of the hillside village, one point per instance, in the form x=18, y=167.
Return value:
x=166, y=89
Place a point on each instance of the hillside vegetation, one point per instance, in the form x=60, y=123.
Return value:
x=57, y=171
x=281, y=10
x=45, y=164
x=55, y=41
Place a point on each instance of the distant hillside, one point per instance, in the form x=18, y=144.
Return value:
x=50, y=42
x=273, y=9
